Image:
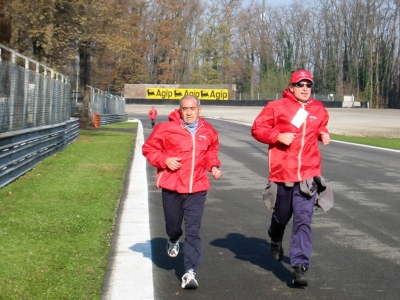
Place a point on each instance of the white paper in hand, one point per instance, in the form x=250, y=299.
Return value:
x=299, y=118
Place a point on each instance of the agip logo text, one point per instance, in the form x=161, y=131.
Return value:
x=177, y=94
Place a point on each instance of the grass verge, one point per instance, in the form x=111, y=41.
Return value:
x=56, y=221
x=391, y=143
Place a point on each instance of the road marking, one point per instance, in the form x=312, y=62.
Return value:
x=336, y=141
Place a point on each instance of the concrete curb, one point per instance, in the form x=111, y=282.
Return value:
x=130, y=275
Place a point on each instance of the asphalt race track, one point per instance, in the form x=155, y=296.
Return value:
x=356, y=251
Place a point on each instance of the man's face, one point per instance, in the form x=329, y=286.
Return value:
x=190, y=111
x=301, y=91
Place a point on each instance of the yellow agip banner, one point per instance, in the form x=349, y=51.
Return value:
x=177, y=94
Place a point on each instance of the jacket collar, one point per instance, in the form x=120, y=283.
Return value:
x=175, y=116
x=289, y=95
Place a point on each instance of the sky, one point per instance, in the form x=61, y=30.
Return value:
x=277, y=2
x=274, y=2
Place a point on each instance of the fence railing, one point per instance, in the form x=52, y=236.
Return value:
x=105, y=108
x=101, y=120
x=31, y=94
x=275, y=96
x=35, y=110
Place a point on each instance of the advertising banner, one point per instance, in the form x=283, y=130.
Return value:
x=177, y=94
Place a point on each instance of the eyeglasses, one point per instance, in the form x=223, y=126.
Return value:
x=301, y=84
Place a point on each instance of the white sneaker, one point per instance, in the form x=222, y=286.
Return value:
x=189, y=281
x=172, y=248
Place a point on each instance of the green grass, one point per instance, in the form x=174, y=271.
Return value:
x=391, y=143
x=56, y=221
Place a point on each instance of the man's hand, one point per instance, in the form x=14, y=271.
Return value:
x=173, y=163
x=216, y=173
x=286, y=138
x=325, y=138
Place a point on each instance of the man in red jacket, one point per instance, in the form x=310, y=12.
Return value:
x=183, y=150
x=153, y=116
x=292, y=127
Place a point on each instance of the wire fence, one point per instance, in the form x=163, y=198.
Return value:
x=275, y=96
x=31, y=94
x=105, y=108
x=106, y=104
x=35, y=110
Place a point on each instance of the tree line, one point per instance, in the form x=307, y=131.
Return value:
x=350, y=46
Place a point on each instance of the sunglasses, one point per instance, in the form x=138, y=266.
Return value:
x=301, y=84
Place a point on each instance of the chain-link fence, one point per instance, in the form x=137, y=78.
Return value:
x=105, y=108
x=31, y=94
x=35, y=110
x=275, y=96
x=104, y=103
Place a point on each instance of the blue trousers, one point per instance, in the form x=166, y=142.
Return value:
x=188, y=207
x=290, y=202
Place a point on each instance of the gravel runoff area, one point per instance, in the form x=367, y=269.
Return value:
x=346, y=121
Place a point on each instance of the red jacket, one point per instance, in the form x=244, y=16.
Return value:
x=302, y=159
x=152, y=114
x=198, y=153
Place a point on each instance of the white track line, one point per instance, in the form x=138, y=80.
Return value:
x=336, y=141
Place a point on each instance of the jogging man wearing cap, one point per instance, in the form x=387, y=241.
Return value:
x=292, y=127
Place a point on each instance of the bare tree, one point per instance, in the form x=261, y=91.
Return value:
x=351, y=47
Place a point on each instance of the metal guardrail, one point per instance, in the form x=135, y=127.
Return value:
x=106, y=108
x=101, y=120
x=21, y=150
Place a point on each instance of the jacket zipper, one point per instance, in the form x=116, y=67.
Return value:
x=302, y=146
x=193, y=157
x=192, y=170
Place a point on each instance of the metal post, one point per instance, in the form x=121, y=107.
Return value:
x=43, y=97
x=51, y=104
x=90, y=115
x=63, y=107
x=26, y=96
x=36, y=96
x=13, y=87
x=77, y=81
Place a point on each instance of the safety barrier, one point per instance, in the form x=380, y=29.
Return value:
x=101, y=120
x=21, y=150
x=105, y=108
